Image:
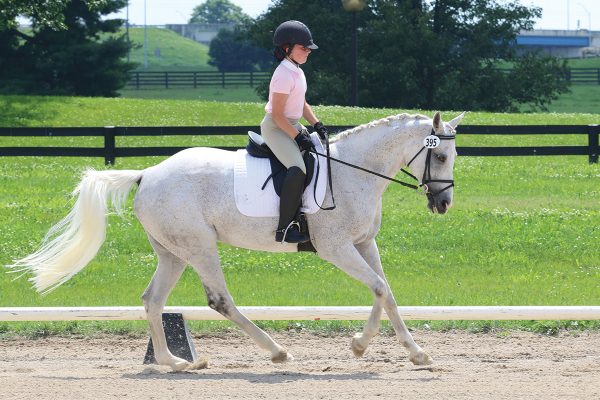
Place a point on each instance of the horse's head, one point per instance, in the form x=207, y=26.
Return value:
x=434, y=163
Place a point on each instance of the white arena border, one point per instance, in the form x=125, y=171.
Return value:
x=468, y=313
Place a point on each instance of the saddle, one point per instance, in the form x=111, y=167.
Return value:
x=257, y=147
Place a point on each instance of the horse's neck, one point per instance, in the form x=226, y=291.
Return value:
x=382, y=148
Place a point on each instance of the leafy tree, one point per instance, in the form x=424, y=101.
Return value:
x=218, y=12
x=230, y=50
x=439, y=54
x=69, y=49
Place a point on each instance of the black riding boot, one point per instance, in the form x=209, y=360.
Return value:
x=291, y=194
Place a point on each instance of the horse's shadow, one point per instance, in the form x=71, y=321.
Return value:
x=252, y=377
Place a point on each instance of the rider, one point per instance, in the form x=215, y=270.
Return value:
x=280, y=128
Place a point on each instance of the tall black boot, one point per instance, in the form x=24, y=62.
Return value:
x=291, y=194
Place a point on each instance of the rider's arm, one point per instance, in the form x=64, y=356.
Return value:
x=309, y=115
x=278, y=101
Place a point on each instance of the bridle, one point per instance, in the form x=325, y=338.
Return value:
x=430, y=142
x=427, y=170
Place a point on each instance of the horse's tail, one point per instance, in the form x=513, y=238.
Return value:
x=73, y=242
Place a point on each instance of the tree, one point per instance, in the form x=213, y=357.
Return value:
x=218, y=12
x=440, y=54
x=70, y=49
x=230, y=51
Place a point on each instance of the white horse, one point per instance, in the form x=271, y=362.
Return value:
x=186, y=205
x=592, y=51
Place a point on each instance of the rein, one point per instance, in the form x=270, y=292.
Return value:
x=424, y=181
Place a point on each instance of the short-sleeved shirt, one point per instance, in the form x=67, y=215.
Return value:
x=289, y=79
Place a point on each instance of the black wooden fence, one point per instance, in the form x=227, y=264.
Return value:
x=110, y=151
x=195, y=79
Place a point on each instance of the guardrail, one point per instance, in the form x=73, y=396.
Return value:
x=110, y=151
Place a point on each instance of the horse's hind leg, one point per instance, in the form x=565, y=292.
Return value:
x=370, y=253
x=209, y=270
x=167, y=274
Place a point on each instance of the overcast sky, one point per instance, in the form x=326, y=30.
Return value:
x=557, y=14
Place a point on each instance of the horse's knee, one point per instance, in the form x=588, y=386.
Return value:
x=218, y=302
x=381, y=290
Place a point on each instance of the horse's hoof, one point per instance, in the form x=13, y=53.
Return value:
x=281, y=357
x=420, y=358
x=357, y=348
x=180, y=365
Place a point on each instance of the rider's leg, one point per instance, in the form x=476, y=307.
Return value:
x=287, y=151
x=291, y=194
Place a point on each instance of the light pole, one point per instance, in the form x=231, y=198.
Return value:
x=127, y=32
x=589, y=24
x=354, y=6
x=145, y=39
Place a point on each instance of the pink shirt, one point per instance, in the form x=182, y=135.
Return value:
x=288, y=79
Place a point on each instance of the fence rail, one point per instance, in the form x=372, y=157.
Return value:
x=195, y=79
x=348, y=313
x=110, y=151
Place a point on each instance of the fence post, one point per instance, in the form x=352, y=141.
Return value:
x=195, y=80
x=593, y=147
x=223, y=79
x=109, y=145
x=137, y=80
x=166, y=80
x=251, y=79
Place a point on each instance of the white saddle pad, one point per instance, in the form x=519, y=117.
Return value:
x=250, y=174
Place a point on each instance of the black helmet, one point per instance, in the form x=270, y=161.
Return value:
x=293, y=32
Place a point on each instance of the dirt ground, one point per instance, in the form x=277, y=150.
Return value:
x=514, y=365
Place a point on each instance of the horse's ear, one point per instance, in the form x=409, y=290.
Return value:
x=437, y=121
x=454, y=123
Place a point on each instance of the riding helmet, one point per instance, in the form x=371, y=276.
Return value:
x=293, y=32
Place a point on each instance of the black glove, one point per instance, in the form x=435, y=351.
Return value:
x=321, y=130
x=304, y=142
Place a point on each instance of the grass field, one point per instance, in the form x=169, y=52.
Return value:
x=523, y=231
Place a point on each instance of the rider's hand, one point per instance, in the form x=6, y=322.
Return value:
x=304, y=142
x=321, y=130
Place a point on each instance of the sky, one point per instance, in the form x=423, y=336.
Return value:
x=556, y=14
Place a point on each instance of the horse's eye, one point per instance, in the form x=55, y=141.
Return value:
x=441, y=157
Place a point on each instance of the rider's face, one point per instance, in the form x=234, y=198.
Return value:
x=300, y=54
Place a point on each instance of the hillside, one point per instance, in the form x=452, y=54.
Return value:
x=168, y=51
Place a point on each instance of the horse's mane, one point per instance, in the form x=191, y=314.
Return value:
x=378, y=122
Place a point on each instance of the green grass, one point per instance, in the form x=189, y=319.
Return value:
x=227, y=94
x=523, y=231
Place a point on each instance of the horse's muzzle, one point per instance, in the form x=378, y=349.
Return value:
x=439, y=203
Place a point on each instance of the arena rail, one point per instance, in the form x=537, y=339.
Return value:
x=428, y=313
x=110, y=151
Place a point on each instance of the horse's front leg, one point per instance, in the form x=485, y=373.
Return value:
x=369, y=251
x=349, y=260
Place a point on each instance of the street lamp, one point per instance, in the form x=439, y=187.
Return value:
x=354, y=6
x=589, y=24
x=145, y=39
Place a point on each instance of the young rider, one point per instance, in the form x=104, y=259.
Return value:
x=281, y=129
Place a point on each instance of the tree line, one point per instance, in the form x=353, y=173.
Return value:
x=436, y=54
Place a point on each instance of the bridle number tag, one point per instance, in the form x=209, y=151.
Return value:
x=431, y=142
